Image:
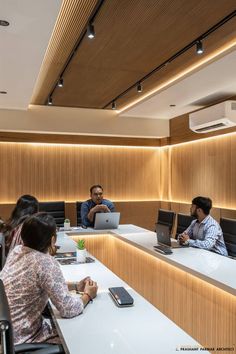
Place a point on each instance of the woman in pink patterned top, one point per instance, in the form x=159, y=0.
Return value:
x=31, y=276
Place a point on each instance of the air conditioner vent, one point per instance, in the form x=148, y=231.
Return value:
x=219, y=125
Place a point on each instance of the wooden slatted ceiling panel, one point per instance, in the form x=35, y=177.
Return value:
x=217, y=41
x=133, y=37
x=71, y=21
x=56, y=172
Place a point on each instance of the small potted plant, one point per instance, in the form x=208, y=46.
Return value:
x=81, y=252
x=67, y=224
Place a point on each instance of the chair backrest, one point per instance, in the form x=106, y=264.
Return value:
x=5, y=323
x=183, y=222
x=229, y=232
x=166, y=217
x=2, y=251
x=78, y=214
x=56, y=209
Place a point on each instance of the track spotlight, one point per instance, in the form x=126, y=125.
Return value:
x=60, y=82
x=139, y=87
x=49, y=100
x=199, y=47
x=113, y=105
x=90, y=31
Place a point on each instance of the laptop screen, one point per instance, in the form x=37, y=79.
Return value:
x=163, y=234
x=106, y=221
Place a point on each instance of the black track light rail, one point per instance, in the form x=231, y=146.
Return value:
x=81, y=37
x=176, y=55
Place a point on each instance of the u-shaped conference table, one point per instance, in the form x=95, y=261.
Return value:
x=180, y=300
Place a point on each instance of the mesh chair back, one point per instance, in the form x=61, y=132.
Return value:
x=183, y=222
x=56, y=209
x=5, y=323
x=229, y=232
x=166, y=217
x=78, y=214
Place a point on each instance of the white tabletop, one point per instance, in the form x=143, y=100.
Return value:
x=104, y=328
x=211, y=267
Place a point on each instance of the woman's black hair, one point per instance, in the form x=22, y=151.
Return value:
x=26, y=205
x=38, y=230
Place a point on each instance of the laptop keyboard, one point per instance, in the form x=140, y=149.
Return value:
x=163, y=249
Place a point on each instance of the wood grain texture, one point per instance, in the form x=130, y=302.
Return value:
x=58, y=172
x=103, y=68
x=69, y=26
x=76, y=139
x=205, y=312
x=205, y=168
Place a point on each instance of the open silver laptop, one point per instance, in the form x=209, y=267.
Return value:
x=106, y=221
x=164, y=237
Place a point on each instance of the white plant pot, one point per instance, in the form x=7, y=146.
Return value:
x=66, y=225
x=81, y=256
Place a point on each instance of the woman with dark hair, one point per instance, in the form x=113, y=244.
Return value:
x=31, y=277
x=26, y=205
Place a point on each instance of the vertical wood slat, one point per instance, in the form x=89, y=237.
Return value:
x=66, y=172
x=205, y=168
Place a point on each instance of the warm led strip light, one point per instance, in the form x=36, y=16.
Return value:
x=179, y=76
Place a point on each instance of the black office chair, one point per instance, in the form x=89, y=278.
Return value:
x=6, y=331
x=2, y=251
x=166, y=217
x=56, y=209
x=229, y=232
x=183, y=222
x=78, y=214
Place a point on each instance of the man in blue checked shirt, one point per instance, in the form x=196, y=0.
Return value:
x=95, y=205
x=204, y=232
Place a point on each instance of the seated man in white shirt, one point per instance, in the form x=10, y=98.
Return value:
x=204, y=232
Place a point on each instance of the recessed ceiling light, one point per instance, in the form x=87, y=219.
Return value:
x=4, y=23
x=172, y=105
x=3, y=92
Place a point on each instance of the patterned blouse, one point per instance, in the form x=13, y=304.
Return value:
x=30, y=279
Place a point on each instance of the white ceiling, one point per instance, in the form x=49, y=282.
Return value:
x=22, y=47
x=211, y=83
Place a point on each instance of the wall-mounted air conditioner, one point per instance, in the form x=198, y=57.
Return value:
x=220, y=116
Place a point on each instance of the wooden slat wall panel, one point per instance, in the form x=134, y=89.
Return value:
x=205, y=168
x=66, y=172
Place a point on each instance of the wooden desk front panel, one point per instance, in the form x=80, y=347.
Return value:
x=205, y=312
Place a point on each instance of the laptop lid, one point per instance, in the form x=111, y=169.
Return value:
x=163, y=234
x=106, y=221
